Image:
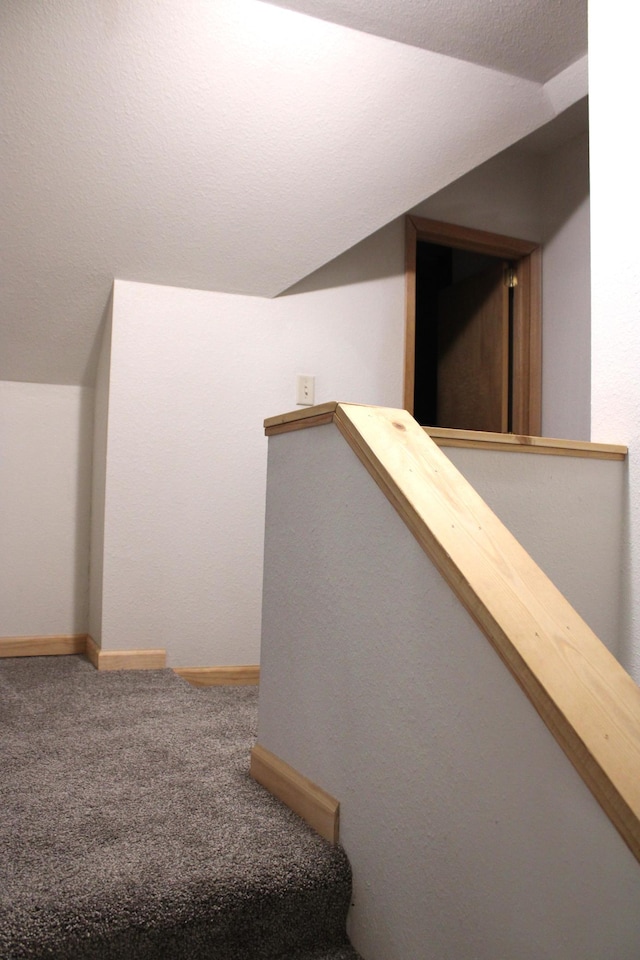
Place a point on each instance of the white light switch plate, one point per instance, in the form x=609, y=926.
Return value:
x=305, y=390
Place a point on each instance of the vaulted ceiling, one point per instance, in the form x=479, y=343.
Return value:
x=238, y=145
x=535, y=39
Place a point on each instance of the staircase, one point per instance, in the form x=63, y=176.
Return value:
x=131, y=828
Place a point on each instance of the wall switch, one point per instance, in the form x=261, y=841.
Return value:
x=305, y=390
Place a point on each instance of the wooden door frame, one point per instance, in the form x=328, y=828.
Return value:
x=527, y=310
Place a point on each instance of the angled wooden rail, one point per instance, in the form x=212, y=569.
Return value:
x=588, y=701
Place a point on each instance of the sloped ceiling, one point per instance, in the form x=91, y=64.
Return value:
x=535, y=39
x=229, y=145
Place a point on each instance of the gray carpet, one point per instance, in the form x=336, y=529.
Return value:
x=130, y=827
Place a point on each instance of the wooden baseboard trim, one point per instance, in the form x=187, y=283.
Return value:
x=124, y=659
x=62, y=645
x=320, y=810
x=53, y=646
x=92, y=651
x=247, y=675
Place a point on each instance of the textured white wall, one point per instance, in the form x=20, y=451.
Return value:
x=566, y=293
x=45, y=469
x=502, y=195
x=469, y=832
x=569, y=514
x=193, y=375
x=615, y=268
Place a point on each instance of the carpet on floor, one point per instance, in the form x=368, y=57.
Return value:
x=130, y=827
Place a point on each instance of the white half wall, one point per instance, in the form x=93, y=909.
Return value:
x=193, y=375
x=615, y=268
x=469, y=832
x=45, y=470
x=569, y=514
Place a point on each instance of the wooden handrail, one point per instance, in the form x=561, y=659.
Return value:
x=588, y=701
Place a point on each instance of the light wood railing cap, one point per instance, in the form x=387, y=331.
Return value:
x=304, y=417
x=315, y=416
x=515, y=443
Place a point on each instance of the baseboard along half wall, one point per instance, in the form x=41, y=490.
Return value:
x=320, y=810
x=247, y=675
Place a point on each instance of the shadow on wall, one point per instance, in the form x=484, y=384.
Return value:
x=85, y=506
x=378, y=256
x=83, y=511
x=91, y=367
x=571, y=190
x=625, y=652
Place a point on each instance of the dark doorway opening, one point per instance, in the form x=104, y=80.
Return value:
x=463, y=339
x=473, y=329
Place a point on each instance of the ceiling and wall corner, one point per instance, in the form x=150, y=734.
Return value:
x=238, y=146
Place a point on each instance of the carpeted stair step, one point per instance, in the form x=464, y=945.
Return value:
x=131, y=828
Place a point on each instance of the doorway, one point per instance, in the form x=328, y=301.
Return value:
x=472, y=355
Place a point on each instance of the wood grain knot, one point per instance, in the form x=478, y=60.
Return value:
x=399, y=426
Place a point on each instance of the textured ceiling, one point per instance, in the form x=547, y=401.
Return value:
x=535, y=39
x=229, y=145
